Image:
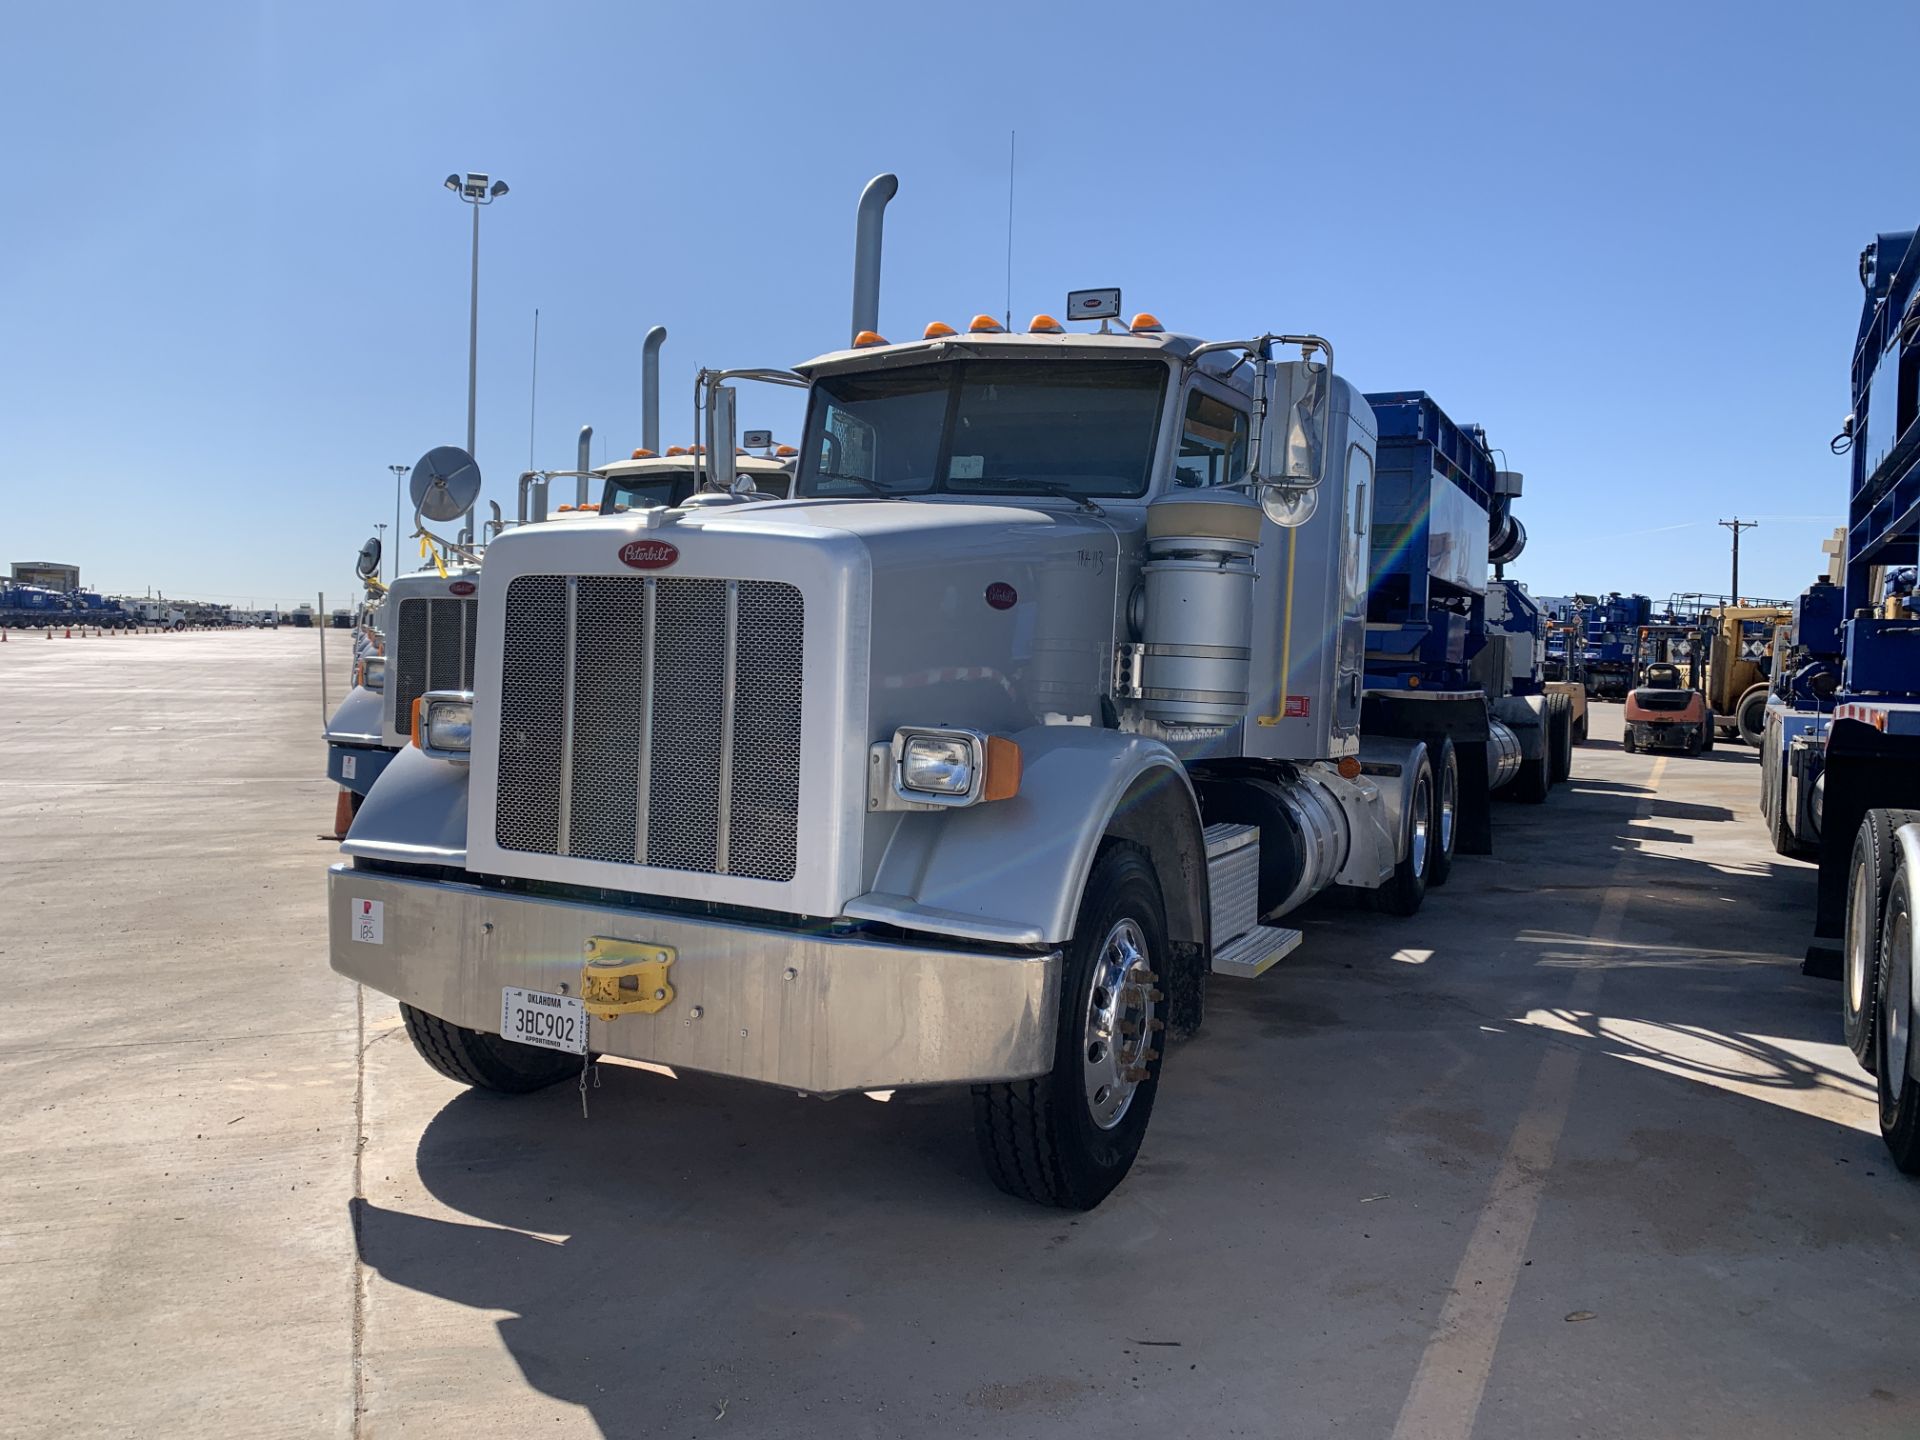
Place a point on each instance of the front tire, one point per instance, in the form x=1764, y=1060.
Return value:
x=1750, y=715
x=1627, y=742
x=1068, y=1137
x=1899, y=1092
x=486, y=1062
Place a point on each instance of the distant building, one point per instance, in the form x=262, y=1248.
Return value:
x=50, y=573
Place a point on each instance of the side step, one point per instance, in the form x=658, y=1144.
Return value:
x=1252, y=954
x=1233, y=880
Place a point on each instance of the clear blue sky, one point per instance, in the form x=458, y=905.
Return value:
x=232, y=290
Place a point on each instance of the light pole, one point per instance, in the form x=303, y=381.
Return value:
x=475, y=190
x=399, y=476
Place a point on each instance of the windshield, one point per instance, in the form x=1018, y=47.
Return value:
x=985, y=427
x=670, y=487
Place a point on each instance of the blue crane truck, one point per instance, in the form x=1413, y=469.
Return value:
x=1439, y=625
x=37, y=607
x=1841, y=759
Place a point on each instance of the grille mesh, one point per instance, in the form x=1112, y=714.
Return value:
x=433, y=651
x=688, y=660
x=527, y=814
x=680, y=723
x=766, y=733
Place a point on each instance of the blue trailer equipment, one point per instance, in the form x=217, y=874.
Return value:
x=1858, y=773
x=1808, y=655
x=1613, y=631
x=1442, y=514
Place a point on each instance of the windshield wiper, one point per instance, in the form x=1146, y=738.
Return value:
x=1027, y=484
x=872, y=485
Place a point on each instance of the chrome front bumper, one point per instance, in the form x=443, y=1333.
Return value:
x=820, y=1013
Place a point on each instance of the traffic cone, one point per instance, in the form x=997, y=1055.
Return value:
x=69, y=632
x=342, y=814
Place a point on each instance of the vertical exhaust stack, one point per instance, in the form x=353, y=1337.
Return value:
x=866, y=251
x=650, y=388
x=584, y=464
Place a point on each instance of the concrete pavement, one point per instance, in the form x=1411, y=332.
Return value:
x=1576, y=1151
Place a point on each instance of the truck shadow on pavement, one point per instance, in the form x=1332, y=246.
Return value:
x=705, y=1256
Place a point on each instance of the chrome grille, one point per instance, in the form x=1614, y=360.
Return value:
x=433, y=650
x=652, y=721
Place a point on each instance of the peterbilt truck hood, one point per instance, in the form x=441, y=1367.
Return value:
x=845, y=619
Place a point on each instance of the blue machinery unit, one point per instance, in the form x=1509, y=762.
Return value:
x=1452, y=654
x=1441, y=514
x=1843, y=723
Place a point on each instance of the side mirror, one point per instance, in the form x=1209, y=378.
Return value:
x=368, y=564
x=445, y=483
x=1294, y=461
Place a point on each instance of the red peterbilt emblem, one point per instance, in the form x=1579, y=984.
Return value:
x=1002, y=596
x=462, y=587
x=648, y=554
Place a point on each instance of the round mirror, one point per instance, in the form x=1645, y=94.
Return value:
x=368, y=564
x=1289, y=506
x=446, y=482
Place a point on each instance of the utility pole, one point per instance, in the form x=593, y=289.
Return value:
x=1736, y=525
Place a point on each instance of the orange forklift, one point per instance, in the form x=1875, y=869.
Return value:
x=1667, y=706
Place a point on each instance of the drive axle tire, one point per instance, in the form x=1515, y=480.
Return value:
x=1444, y=836
x=1869, y=878
x=1560, y=737
x=1068, y=1137
x=1899, y=1092
x=1535, y=781
x=486, y=1062
x=1403, y=894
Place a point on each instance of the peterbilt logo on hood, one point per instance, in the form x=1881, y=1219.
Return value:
x=648, y=554
x=462, y=587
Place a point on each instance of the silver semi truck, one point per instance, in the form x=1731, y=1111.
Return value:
x=1035, y=705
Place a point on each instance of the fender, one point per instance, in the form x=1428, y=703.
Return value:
x=416, y=813
x=357, y=720
x=1012, y=871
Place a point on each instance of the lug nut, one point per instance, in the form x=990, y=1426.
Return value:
x=1156, y=1025
x=1156, y=996
x=1137, y=1073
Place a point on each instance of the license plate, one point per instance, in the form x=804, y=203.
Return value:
x=553, y=1022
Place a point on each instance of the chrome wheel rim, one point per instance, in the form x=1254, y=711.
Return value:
x=1422, y=821
x=1894, y=1016
x=1117, y=1038
x=1449, y=796
x=1857, y=941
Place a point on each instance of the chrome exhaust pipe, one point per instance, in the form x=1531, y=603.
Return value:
x=866, y=251
x=650, y=388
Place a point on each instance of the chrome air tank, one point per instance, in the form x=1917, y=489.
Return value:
x=1199, y=607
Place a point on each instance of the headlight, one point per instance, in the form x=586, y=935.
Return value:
x=443, y=723
x=939, y=764
x=373, y=672
x=946, y=767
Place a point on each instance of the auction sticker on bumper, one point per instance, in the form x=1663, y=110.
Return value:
x=553, y=1022
x=370, y=922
